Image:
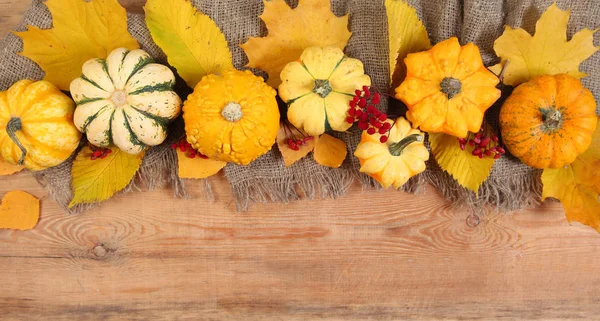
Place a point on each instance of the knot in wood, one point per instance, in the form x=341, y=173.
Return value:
x=99, y=250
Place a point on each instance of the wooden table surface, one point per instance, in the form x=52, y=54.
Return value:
x=367, y=256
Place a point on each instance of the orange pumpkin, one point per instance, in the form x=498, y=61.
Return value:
x=548, y=121
x=447, y=89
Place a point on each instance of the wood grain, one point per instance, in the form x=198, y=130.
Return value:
x=368, y=256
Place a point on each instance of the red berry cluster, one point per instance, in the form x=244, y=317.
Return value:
x=99, y=152
x=363, y=109
x=186, y=148
x=484, y=145
x=295, y=144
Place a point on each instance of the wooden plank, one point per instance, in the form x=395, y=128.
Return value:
x=371, y=255
x=368, y=256
x=11, y=14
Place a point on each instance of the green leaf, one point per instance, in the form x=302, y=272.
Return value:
x=99, y=179
x=193, y=43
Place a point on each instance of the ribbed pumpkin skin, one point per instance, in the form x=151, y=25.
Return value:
x=433, y=104
x=316, y=111
x=377, y=161
x=526, y=134
x=125, y=100
x=240, y=141
x=47, y=130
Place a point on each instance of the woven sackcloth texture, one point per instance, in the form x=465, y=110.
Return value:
x=510, y=186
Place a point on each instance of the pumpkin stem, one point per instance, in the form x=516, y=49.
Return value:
x=396, y=149
x=552, y=119
x=451, y=87
x=232, y=112
x=322, y=87
x=12, y=127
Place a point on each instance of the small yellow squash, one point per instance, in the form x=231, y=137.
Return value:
x=401, y=157
x=319, y=87
x=232, y=117
x=447, y=89
x=36, y=121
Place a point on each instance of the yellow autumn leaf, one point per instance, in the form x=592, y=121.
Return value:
x=468, y=170
x=547, y=52
x=81, y=30
x=8, y=169
x=197, y=167
x=290, y=31
x=192, y=41
x=19, y=211
x=329, y=151
x=577, y=186
x=406, y=33
x=97, y=180
x=289, y=155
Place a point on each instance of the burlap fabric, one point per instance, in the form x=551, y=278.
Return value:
x=510, y=186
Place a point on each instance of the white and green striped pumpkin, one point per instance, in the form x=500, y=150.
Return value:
x=125, y=100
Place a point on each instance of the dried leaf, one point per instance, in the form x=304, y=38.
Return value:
x=468, y=170
x=547, y=52
x=192, y=41
x=577, y=186
x=291, y=31
x=97, y=180
x=82, y=30
x=291, y=156
x=19, y=211
x=8, y=169
x=330, y=151
x=407, y=34
x=197, y=167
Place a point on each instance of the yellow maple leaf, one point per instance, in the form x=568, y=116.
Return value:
x=577, y=186
x=197, y=167
x=192, y=41
x=406, y=33
x=82, y=30
x=19, y=211
x=547, y=52
x=291, y=31
x=289, y=155
x=468, y=170
x=329, y=151
x=8, y=169
x=97, y=180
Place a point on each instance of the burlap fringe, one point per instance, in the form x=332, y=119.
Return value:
x=331, y=184
x=507, y=194
x=158, y=170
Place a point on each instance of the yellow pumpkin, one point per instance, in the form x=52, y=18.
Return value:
x=232, y=117
x=548, y=121
x=37, y=125
x=401, y=157
x=319, y=87
x=447, y=89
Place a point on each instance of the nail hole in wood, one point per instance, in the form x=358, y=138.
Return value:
x=473, y=220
